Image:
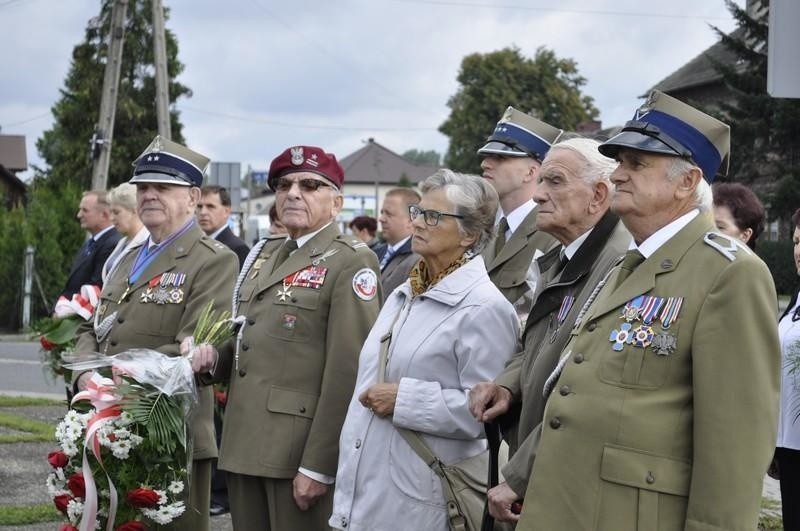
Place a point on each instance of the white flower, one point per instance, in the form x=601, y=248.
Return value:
x=176, y=509
x=122, y=433
x=162, y=496
x=124, y=419
x=74, y=509
x=135, y=440
x=121, y=449
x=54, y=486
x=160, y=516
x=176, y=487
x=59, y=472
x=69, y=448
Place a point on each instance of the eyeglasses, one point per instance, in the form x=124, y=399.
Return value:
x=431, y=217
x=306, y=185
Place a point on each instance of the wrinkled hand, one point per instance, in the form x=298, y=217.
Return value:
x=499, y=500
x=773, y=470
x=204, y=356
x=380, y=398
x=306, y=491
x=487, y=401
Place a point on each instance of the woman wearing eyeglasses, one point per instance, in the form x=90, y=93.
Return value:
x=787, y=451
x=450, y=329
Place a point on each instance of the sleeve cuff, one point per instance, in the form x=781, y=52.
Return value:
x=316, y=476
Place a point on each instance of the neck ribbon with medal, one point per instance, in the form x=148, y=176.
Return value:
x=563, y=311
x=156, y=290
x=646, y=308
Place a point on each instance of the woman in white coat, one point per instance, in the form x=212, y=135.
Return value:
x=122, y=200
x=451, y=329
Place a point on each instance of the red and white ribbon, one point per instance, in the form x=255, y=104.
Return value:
x=82, y=303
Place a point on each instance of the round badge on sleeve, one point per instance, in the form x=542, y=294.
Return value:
x=365, y=284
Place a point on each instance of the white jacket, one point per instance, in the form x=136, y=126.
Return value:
x=457, y=334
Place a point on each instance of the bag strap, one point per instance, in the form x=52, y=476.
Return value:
x=414, y=439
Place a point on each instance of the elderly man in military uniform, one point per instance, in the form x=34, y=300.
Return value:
x=573, y=197
x=512, y=157
x=306, y=303
x=665, y=406
x=156, y=294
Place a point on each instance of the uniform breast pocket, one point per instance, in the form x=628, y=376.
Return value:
x=296, y=316
x=638, y=355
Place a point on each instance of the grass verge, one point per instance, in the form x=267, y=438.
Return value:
x=28, y=514
x=24, y=401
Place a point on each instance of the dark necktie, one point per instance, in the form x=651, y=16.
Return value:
x=90, y=245
x=631, y=261
x=387, y=256
x=500, y=239
x=284, y=252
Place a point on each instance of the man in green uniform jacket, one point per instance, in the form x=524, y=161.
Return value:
x=574, y=196
x=306, y=304
x=669, y=411
x=512, y=157
x=158, y=291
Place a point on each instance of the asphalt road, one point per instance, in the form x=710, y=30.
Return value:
x=21, y=371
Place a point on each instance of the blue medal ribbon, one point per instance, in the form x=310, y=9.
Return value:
x=146, y=255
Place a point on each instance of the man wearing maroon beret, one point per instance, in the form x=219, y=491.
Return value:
x=305, y=303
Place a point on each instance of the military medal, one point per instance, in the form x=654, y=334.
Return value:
x=285, y=292
x=650, y=308
x=664, y=344
x=672, y=308
x=632, y=309
x=566, y=306
x=621, y=336
x=642, y=336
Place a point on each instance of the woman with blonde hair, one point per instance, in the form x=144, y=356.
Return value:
x=124, y=217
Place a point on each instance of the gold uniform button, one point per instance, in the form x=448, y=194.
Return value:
x=564, y=391
x=555, y=423
x=579, y=358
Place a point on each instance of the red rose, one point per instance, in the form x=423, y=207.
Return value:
x=221, y=397
x=61, y=501
x=57, y=459
x=47, y=345
x=142, y=498
x=132, y=526
x=67, y=527
x=76, y=485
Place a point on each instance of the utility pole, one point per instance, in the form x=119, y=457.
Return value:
x=162, y=81
x=104, y=132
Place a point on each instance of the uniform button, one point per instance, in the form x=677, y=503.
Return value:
x=251, y=322
x=358, y=443
x=591, y=326
x=564, y=391
x=121, y=320
x=579, y=358
x=260, y=297
x=245, y=347
x=294, y=299
x=650, y=479
x=555, y=423
x=242, y=373
x=113, y=343
x=302, y=409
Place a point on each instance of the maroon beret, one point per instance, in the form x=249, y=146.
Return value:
x=306, y=158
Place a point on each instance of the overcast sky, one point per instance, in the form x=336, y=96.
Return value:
x=268, y=74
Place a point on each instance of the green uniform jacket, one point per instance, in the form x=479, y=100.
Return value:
x=544, y=337
x=298, y=356
x=210, y=269
x=676, y=440
x=509, y=270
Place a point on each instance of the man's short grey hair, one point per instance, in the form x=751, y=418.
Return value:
x=596, y=166
x=473, y=198
x=123, y=195
x=703, y=198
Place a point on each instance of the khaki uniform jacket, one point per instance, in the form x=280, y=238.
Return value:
x=509, y=270
x=210, y=270
x=544, y=338
x=298, y=357
x=676, y=440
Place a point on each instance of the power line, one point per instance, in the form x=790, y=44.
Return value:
x=303, y=126
x=558, y=10
x=11, y=3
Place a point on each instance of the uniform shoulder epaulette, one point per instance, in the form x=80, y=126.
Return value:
x=213, y=244
x=725, y=245
x=351, y=242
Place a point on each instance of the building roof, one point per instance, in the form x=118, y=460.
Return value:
x=12, y=152
x=699, y=71
x=376, y=163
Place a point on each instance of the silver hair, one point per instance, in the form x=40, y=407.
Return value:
x=703, y=198
x=596, y=166
x=123, y=195
x=473, y=198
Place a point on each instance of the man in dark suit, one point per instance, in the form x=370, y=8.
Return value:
x=94, y=216
x=212, y=213
x=396, y=257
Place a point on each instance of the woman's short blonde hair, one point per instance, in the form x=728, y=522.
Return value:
x=123, y=195
x=473, y=198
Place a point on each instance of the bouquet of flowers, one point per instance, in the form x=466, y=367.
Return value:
x=57, y=334
x=125, y=452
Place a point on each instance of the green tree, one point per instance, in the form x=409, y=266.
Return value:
x=765, y=131
x=65, y=147
x=428, y=158
x=545, y=86
x=12, y=252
